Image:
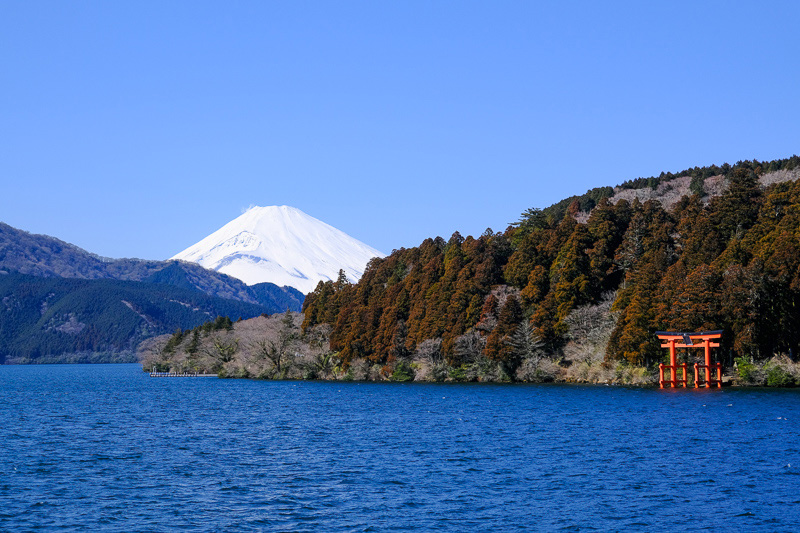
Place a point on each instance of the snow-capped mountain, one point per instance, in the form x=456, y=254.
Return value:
x=282, y=245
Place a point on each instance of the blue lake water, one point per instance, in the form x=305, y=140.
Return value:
x=107, y=447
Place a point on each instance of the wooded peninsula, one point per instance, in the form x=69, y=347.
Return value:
x=573, y=292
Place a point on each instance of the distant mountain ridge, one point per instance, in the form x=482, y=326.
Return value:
x=45, y=256
x=60, y=303
x=282, y=245
x=58, y=319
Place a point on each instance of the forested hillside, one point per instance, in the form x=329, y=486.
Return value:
x=722, y=257
x=77, y=320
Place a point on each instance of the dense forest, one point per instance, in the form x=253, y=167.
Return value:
x=729, y=261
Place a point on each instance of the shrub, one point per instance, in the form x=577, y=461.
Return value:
x=439, y=372
x=777, y=376
x=403, y=372
x=748, y=372
x=459, y=373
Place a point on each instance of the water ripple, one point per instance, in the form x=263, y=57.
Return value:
x=106, y=447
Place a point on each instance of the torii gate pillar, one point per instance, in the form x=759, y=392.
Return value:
x=702, y=373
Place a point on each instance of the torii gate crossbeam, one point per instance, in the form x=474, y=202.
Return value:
x=702, y=339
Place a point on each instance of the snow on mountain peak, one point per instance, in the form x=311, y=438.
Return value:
x=282, y=245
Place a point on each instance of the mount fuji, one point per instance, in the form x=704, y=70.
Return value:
x=281, y=245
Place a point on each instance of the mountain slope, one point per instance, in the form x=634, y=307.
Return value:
x=43, y=319
x=45, y=256
x=281, y=245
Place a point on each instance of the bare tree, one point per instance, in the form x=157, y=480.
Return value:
x=430, y=352
x=468, y=348
x=428, y=361
x=222, y=350
x=321, y=366
x=590, y=328
x=277, y=344
x=151, y=353
x=318, y=337
x=525, y=344
x=529, y=362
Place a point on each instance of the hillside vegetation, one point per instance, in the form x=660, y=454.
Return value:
x=265, y=347
x=723, y=258
x=46, y=320
x=571, y=293
x=60, y=303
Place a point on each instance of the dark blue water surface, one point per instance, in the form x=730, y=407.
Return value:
x=107, y=447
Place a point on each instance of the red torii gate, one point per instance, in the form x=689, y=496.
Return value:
x=674, y=339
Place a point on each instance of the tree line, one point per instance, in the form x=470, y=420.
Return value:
x=730, y=263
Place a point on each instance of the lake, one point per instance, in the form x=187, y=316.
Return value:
x=107, y=447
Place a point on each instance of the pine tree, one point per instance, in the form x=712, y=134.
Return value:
x=522, y=345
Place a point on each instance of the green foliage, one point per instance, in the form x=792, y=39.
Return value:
x=747, y=370
x=160, y=367
x=533, y=218
x=225, y=350
x=777, y=376
x=223, y=322
x=696, y=186
x=777, y=372
x=173, y=275
x=277, y=299
x=584, y=202
x=460, y=373
x=174, y=341
x=194, y=344
x=403, y=372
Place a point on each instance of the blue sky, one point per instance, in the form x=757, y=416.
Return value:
x=134, y=129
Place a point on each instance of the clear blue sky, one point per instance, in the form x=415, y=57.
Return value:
x=134, y=129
